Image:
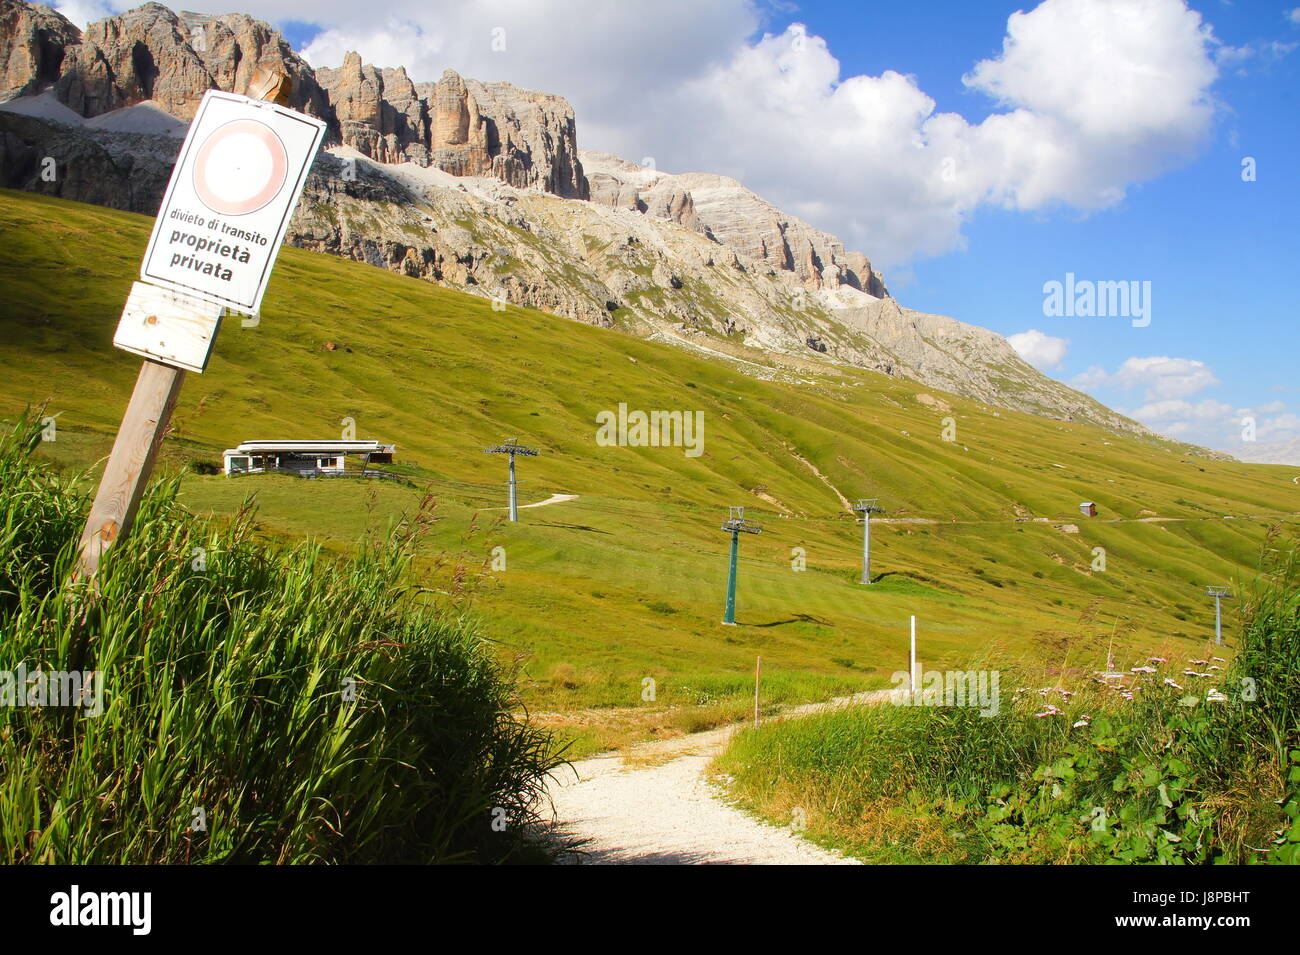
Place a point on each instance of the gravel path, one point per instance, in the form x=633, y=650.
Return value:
x=553, y=499
x=655, y=805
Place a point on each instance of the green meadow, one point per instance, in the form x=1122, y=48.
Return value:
x=625, y=584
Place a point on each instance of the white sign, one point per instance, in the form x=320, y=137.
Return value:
x=167, y=326
x=233, y=190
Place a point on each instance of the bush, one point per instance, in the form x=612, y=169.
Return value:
x=302, y=709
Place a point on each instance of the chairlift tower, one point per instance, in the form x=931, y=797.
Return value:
x=512, y=447
x=1218, y=593
x=866, y=507
x=736, y=525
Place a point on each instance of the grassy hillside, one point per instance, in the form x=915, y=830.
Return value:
x=626, y=582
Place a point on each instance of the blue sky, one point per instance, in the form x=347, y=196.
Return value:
x=1099, y=138
x=1221, y=253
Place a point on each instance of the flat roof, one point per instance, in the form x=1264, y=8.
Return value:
x=336, y=447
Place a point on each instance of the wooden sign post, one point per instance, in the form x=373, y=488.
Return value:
x=131, y=460
x=172, y=323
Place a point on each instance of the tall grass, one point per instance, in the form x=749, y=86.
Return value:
x=880, y=779
x=263, y=703
x=1168, y=776
x=1270, y=653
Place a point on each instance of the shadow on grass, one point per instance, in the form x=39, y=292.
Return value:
x=797, y=618
x=572, y=527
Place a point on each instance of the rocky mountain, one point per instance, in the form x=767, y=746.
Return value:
x=33, y=43
x=739, y=219
x=481, y=186
x=460, y=126
x=153, y=54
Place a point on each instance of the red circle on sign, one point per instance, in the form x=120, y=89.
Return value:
x=240, y=167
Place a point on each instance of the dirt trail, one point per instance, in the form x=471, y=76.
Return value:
x=812, y=468
x=655, y=805
x=553, y=499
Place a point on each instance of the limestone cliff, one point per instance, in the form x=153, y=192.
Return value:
x=736, y=217
x=460, y=126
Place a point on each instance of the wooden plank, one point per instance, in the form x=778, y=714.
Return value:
x=131, y=461
x=168, y=327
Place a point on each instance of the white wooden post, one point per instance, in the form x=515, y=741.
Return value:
x=911, y=669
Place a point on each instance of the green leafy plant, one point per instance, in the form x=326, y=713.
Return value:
x=260, y=704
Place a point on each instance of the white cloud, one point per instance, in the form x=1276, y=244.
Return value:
x=1166, y=385
x=1265, y=53
x=1279, y=428
x=1094, y=377
x=1176, y=409
x=1040, y=350
x=1083, y=120
x=84, y=12
x=1164, y=378
x=1104, y=93
x=1216, y=424
x=1093, y=96
x=1161, y=378
x=1294, y=16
